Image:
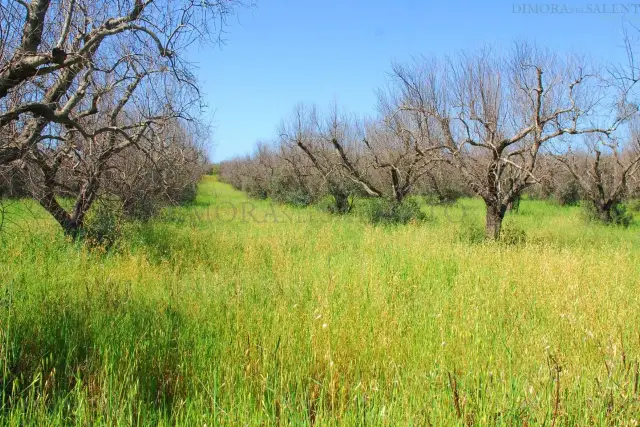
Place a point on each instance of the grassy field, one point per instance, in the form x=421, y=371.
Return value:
x=238, y=312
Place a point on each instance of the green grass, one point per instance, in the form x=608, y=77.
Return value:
x=197, y=319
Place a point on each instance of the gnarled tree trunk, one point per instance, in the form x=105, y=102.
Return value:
x=342, y=204
x=70, y=225
x=494, y=217
x=603, y=211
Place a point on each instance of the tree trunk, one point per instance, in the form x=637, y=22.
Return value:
x=72, y=229
x=342, y=203
x=340, y=199
x=604, y=212
x=70, y=226
x=495, y=215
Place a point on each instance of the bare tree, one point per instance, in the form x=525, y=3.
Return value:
x=604, y=165
x=384, y=158
x=84, y=80
x=84, y=155
x=305, y=132
x=167, y=173
x=491, y=116
x=442, y=184
x=604, y=169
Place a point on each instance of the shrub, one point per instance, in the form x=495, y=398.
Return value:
x=512, y=235
x=103, y=224
x=442, y=185
x=144, y=200
x=621, y=216
x=633, y=205
x=255, y=189
x=444, y=196
x=568, y=194
x=617, y=214
x=337, y=205
x=286, y=189
x=543, y=190
x=470, y=232
x=382, y=211
x=514, y=206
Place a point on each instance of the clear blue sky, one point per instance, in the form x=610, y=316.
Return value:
x=283, y=52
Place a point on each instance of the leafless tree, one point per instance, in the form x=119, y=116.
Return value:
x=305, y=132
x=491, y=115
x=123, y=118
x=604, y=165
x=59, y=40
x=166, y=174
x=385, y=157
x=554, y=182
x=442, y=184
x=251, y=173
x=83, y=80
x=604, y=168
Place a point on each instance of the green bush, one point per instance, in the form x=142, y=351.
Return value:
x=141, y=206
x=445, y=196
x=617, y=215
x=514, y=206
x=633, y=205
x=568, y=194
x=287, y=189
x=382, y=211
x=620, y=216
x=295, y=197
x=470, y=232
x=255, y=191
x=103, y=224
x=512, y=235
x=330, y=204
x=144, y=203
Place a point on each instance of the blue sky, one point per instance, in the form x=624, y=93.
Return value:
x=284, y=52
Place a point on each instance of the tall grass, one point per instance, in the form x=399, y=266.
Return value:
x=293, y=316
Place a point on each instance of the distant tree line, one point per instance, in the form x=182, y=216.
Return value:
x=488, y=124
x=98, y=102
